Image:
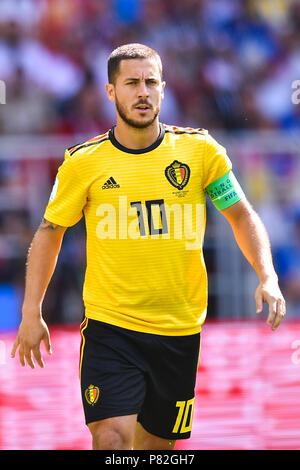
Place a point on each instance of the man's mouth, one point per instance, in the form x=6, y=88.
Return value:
x=142, y=107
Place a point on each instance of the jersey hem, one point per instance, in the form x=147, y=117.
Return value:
x=143, y=329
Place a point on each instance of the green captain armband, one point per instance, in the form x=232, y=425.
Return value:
x=225, y=191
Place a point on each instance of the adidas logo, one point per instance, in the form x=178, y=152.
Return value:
x=110, y=183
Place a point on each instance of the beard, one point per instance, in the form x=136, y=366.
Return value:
x=142, y=124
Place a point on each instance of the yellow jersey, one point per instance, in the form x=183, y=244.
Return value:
x=145, y=220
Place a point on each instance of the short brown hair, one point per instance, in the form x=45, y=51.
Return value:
x=126, y=52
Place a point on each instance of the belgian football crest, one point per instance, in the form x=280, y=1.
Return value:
x=178, y=174
x=92, y=394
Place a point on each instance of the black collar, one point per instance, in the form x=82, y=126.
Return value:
x=137, y=151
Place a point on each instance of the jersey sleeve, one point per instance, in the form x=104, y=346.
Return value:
x=68, y=196
x=216, y=161
x=220, y=183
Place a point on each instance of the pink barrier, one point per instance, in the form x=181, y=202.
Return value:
x=247, y=392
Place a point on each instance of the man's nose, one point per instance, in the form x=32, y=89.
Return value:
x=143, y=91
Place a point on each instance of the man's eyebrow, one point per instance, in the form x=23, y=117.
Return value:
x=134, y=79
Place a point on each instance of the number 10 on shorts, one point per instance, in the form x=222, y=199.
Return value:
x=185, y=416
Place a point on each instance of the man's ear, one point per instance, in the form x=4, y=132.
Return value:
x=163, y=84
x=110, y=91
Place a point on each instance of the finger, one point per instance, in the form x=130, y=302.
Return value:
x=279, y=315
x=28, y=357
x=38, y=357
x=21, y=356
x=47, y=343
x=259, y=302
x=272, y=311
x=14, y=348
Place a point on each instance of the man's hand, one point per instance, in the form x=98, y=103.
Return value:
x=269, y=291
x=41, y=262
x=253, y=240
x=31, y=333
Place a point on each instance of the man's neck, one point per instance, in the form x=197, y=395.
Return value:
x=134, y=138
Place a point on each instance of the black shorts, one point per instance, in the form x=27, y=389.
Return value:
x=124, y=372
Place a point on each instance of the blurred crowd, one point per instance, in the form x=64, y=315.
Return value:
x=229, y=65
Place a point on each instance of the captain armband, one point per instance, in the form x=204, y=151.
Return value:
x=225, y=191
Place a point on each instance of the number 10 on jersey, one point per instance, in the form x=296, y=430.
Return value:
x=163, y=216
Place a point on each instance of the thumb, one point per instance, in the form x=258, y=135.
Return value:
x=259, y=302
x=47, y=343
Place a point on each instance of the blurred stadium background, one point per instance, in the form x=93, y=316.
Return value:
x=230, y=67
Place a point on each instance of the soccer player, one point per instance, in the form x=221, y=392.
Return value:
x=141, y=187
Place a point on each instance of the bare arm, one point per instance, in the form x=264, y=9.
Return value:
x=253, y=241
x=41, y=263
